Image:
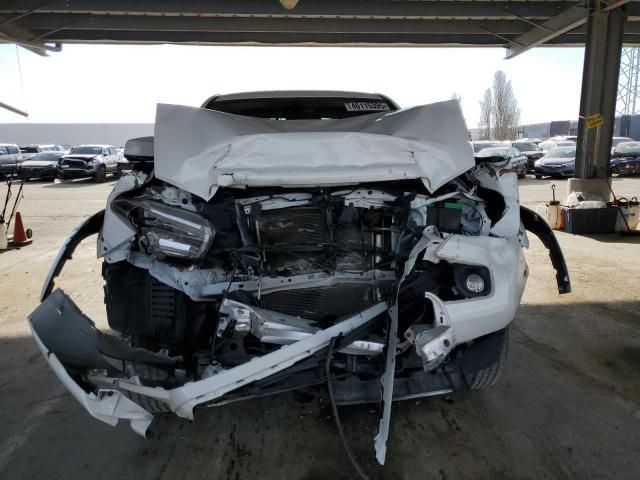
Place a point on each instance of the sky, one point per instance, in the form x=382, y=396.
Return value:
x=123, y=83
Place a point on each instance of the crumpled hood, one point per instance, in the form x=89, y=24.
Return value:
x=200, y=150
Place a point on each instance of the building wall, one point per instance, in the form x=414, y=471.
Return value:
x=73, y=133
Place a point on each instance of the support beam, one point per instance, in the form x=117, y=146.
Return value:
x=554, y=27
x=567, y=21
x=12, y=33
x=324, y=8
x=599, y=88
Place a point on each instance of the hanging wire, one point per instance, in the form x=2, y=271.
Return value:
x=336, y=416
x=24, y=98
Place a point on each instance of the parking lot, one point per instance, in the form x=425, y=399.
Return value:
x=568, y=405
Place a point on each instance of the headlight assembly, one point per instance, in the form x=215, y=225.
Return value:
x=167, y=231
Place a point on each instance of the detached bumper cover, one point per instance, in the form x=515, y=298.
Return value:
x=108, y=405
x=69, y=341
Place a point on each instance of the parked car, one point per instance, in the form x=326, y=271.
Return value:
x=558, y=162
x=530, y=150
x=10, y=158
x=42, y=165
x=29, y=151
x=550, y=144
x=480, y=145
x=617, y=140
x=626, y=158
x=517, y=160
x=369, y=242
x=83, y=161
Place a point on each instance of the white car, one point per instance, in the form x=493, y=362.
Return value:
x=615, y=141
x=275, y=240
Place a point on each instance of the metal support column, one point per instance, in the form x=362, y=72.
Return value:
x=599, y=90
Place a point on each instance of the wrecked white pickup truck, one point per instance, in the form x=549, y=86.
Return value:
x=276, y=241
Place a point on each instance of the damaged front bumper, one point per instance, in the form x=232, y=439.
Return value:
x=71, y=344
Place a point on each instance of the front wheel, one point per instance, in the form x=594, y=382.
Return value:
x=538, y=177
x=101, y=175
x=489, y=376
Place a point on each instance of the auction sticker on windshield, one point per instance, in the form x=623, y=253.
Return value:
x=366, y=106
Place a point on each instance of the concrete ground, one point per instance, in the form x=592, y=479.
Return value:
x=568, y=405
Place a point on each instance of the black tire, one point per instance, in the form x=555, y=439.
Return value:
x=488, y=377
x=538, y=177
x=150, y=375
x=101, y=174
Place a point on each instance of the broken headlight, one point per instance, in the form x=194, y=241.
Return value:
x=168, y=231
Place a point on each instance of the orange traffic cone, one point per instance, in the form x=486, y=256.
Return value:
x=20, y=236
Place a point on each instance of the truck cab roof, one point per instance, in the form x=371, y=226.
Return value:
x=301, y=104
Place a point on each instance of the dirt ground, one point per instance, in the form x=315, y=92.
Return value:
x=568, y=405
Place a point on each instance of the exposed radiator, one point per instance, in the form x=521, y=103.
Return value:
x=296, y=226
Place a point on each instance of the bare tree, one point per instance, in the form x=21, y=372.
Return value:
x=486, y=115
x=505, y=111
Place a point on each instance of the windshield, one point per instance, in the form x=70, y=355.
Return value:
x=29, y=149
x=494, y=152
x=562, y=152
x=628, y=147
x=47, y=156
x=301, y=108
x=477, y=147
x=616, y=141
x=526, y=147
x=86, y=150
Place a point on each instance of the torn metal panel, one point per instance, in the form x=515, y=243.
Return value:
x=200, y=150
x=504, y=181
x=387, y=382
